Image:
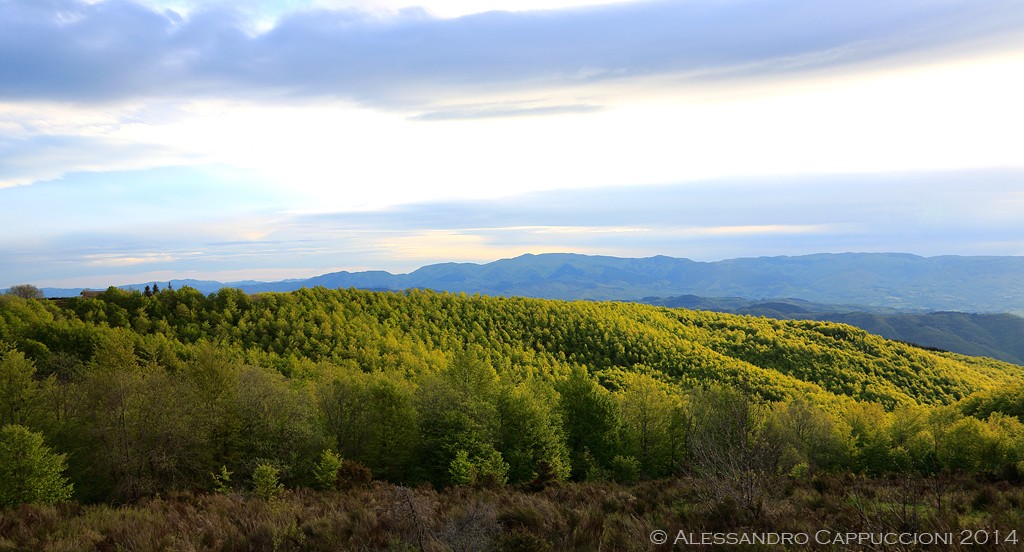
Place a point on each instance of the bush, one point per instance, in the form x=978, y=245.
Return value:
x=545, y=477
x=326, y=470
x=490, y=470
x=265, y=483
x=520, y=540
x=222, y=481
x=625, y=469
x=353, y=474
x=460, y=470
x=29, y=471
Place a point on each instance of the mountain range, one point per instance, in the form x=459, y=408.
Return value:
x=892, y=281
x=893, y=294
x=897, y=282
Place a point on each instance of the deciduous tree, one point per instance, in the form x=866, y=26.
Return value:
x=29, y=470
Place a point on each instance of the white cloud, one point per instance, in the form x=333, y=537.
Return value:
x=327, y=156
x=454, y=245
x=336, y=112
x=118, y=259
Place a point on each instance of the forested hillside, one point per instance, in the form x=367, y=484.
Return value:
x=138, y=395
x=999, y=336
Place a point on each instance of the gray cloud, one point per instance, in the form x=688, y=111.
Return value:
x=955, y=200
x=966, y=213
x=43, y=156
x=71, y=50
x=962, y=213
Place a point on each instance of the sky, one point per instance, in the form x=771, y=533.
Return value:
x=150, y=140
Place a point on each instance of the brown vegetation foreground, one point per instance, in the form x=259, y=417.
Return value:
x=580, y=516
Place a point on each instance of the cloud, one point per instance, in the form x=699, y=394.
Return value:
x=926, y=213
x=966, y=213
x=71, y=50
x=496, y=111
x=118, y=260
x=759, y=205
x=617, y=94
x=242, y=123
x=30, y=159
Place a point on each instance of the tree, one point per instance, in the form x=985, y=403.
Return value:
x=869, y=423
x=530, y=437
x=732, y=445
x=18, y=389
x=26, y=291
x=487, y=469
x=647, y=411
x=134, y=432
x=458, y=412
x=326, y=470
x=29, y=471
x=273, y=419
x=265, y=484
x=811, y=436
x=589, y=418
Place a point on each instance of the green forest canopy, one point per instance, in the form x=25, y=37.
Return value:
x=152, y=393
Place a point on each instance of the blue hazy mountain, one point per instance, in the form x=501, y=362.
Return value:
x=891, y=294
x=893, y=282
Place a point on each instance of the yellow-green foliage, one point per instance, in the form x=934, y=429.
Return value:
x=153, y=394
x=416, y=332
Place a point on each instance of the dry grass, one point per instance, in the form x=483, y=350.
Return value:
x=580, y=516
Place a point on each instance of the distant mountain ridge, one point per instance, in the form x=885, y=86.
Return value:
x=900, y=282
x=890, y=294
x=893, y=281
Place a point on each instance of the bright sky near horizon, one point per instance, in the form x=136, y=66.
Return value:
x=146, y=140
